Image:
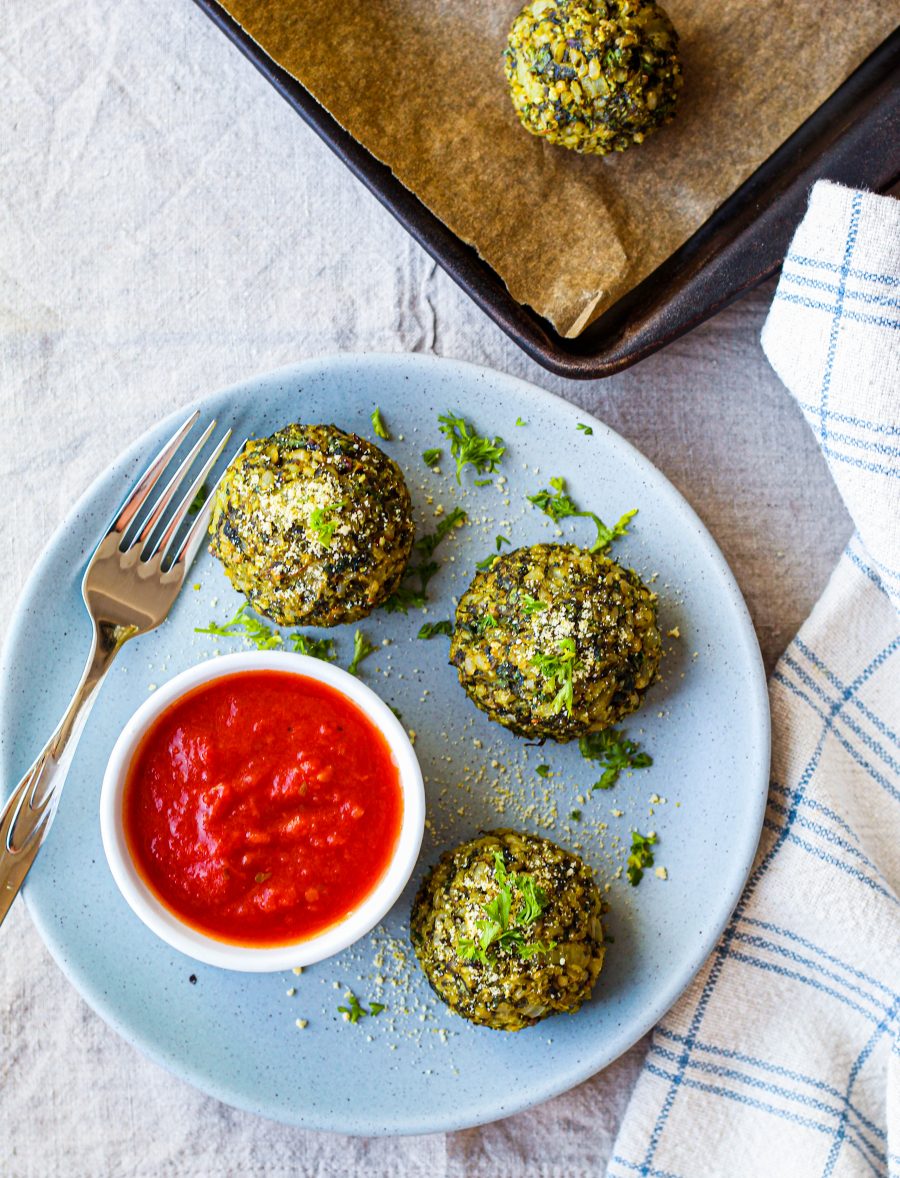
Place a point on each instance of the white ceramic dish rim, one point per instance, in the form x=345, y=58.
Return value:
x=247, y=958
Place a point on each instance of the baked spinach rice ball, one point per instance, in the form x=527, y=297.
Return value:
x=555, y=641
x=507, y=928
x=313, y=525
x=593, y=75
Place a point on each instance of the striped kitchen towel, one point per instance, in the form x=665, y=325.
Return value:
x=783, y=1057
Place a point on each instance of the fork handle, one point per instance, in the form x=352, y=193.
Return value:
x=26, y=817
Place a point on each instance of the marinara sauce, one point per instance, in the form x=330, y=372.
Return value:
x=262, y=807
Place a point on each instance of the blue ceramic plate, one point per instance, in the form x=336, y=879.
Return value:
x=417, y=1068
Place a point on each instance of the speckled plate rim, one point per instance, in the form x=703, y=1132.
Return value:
x=559, y=1079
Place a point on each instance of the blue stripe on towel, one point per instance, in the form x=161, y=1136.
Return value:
x=863, y=296
x=724, y=948
x=857, y=316
x=777, y=1070
x=834, y=268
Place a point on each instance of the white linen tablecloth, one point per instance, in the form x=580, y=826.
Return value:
x=168, y=226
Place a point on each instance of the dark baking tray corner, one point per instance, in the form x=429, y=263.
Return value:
x=853, y=138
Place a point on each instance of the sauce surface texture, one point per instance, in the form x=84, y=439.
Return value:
x=262, y=807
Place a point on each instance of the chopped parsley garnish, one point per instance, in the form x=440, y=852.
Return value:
x=488, y=622
x=468, y=447
x=519, y=421
x=532, y=605
x=543, y=770
x=559, y=670
x=198, y=500
x=605, y=535
x=381, y=430
x=256, y=632
x=559, y=505
x=497, y=927
x=353, y=1011
x=362, y=648
x=430, y=629
x=264, y=637
x=489, y=560
x=615, y=753
x=316, y=648
x=585, y=429
x=324, y=527
x=575, y=815
x=406, y=596
x=640, y=856
x=432, y=457
x=427, y=544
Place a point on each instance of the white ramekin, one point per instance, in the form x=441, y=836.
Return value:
x=206, y=948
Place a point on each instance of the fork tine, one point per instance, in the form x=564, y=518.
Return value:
x=192, y=541
x=42, y=808
x=180, y=514
x=168, y=495
x=150, y=478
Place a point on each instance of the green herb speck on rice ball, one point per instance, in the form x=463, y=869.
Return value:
x=554, y=641
x=507, y=928
x=313, y=525
x=593, y=75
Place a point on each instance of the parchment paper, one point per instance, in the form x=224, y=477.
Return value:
x=420, y=84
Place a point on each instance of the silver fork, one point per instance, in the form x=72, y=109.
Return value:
x=129, y=586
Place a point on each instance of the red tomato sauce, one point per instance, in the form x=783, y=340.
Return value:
x=262, y=807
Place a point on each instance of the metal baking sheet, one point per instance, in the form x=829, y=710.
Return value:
x=853, y=138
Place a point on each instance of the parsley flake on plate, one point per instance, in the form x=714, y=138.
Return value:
x=407, y=596
x=614, y=752
x=432, y=457
x=431, y=629
x=640, y=855
x=430, y=541
x=558, y=504
x=381, y=430
x=249, y=627
x=362, y=648
x=489, y=560
x=354, y=1011
x=470, y=448
x=316, y=648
